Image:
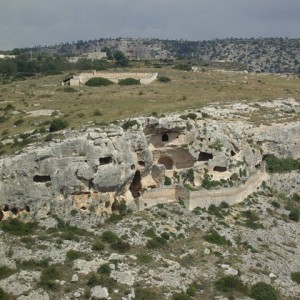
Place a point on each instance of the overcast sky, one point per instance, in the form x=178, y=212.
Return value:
x=25, y=23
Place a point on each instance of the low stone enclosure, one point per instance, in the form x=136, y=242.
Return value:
x=76, y=80
x=198, y=161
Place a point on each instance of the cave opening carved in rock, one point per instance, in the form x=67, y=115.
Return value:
x=166, y=161
x=105, y=160
x=220, y=169
x=205, y=156
x=41, y=178
x=136, y=185
x=165, y=138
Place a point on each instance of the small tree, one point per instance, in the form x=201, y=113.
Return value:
x=58, y=124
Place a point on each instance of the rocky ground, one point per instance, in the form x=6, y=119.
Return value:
x=165, y=252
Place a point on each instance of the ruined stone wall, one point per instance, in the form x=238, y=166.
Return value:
x=205, y=198
x=157, y=196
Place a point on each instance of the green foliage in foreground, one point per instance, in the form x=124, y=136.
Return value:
x=263, y=291
x=16, y=227
x=295, y=276
x=58, y=124
x=48, y=277
x=5, y=296
x=229, y=284
x=279, y=165
x=214, y=238
x=129, y=81
x=98, y=81
x=5, y=272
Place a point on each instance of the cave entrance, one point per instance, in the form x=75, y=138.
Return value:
x=166, y=161
x=38, y=178
x=105, y=160
x=205, y=156
x=165, y=138
x=220, y=169
x=136, y=185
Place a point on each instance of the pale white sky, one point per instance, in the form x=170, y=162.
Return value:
x=26, y=23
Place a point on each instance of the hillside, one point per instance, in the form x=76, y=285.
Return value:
x=277, y=55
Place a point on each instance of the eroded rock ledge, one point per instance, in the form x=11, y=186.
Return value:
x=158, y=160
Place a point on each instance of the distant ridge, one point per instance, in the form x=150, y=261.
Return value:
x=276, y=55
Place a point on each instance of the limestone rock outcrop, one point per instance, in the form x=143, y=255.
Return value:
x=98, y=168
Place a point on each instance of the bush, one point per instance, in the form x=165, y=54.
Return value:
x=98, y=81
x=109, y=237
x=295, y=276
x=263, y=291
x=19, y=122
x=105, y=269
x=129, y=81
x=73, y=254
x=69, y=89
x=129, y=123
x=279, y=165
x=147, y=294
x=144, y=258
x=98, y=246
x=183, y=67
x=275, y=204
x=294, y=214
x=214, y=238
x=163, y=79
x=48, y=277
x=58, y=124
x=167, y=181
x=165, y=236
x=97, y=112
x=229, y=283
x=120, y=246
x=16, y=227
x=5, y=272
x=5, y=296
x=156, y=242
x=181, y=296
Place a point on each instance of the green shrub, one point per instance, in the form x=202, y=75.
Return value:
x=147, y=294
x=48, y=277
x=98, y=81
x=263, y=291
x=144, y=258
x=16, y=227
x=58, y=124
x=5, y=272
x=167, y=181
x=163, y=79
x=120, y=246
x=19, y=122
x=5, y=296
x=114, y=218
x=183, y=67
x=275, y=204
x=129, y=81
x=214, y=238
x=73, y=254
x=129, y=123
x=295, y=276
x=229, y=284
x=69, y=89
x=165, y=236
x=109, y=237
x=104, y=269
x=150, y=233
x=156, y=242
x=279, y=165
x=49, y=137
x=294, y=214
x=98, y=246
x=97, y=112
x=181, y=296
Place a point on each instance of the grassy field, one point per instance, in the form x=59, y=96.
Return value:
x=186, y=91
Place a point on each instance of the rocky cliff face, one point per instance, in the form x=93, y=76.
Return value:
x=99, y=168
